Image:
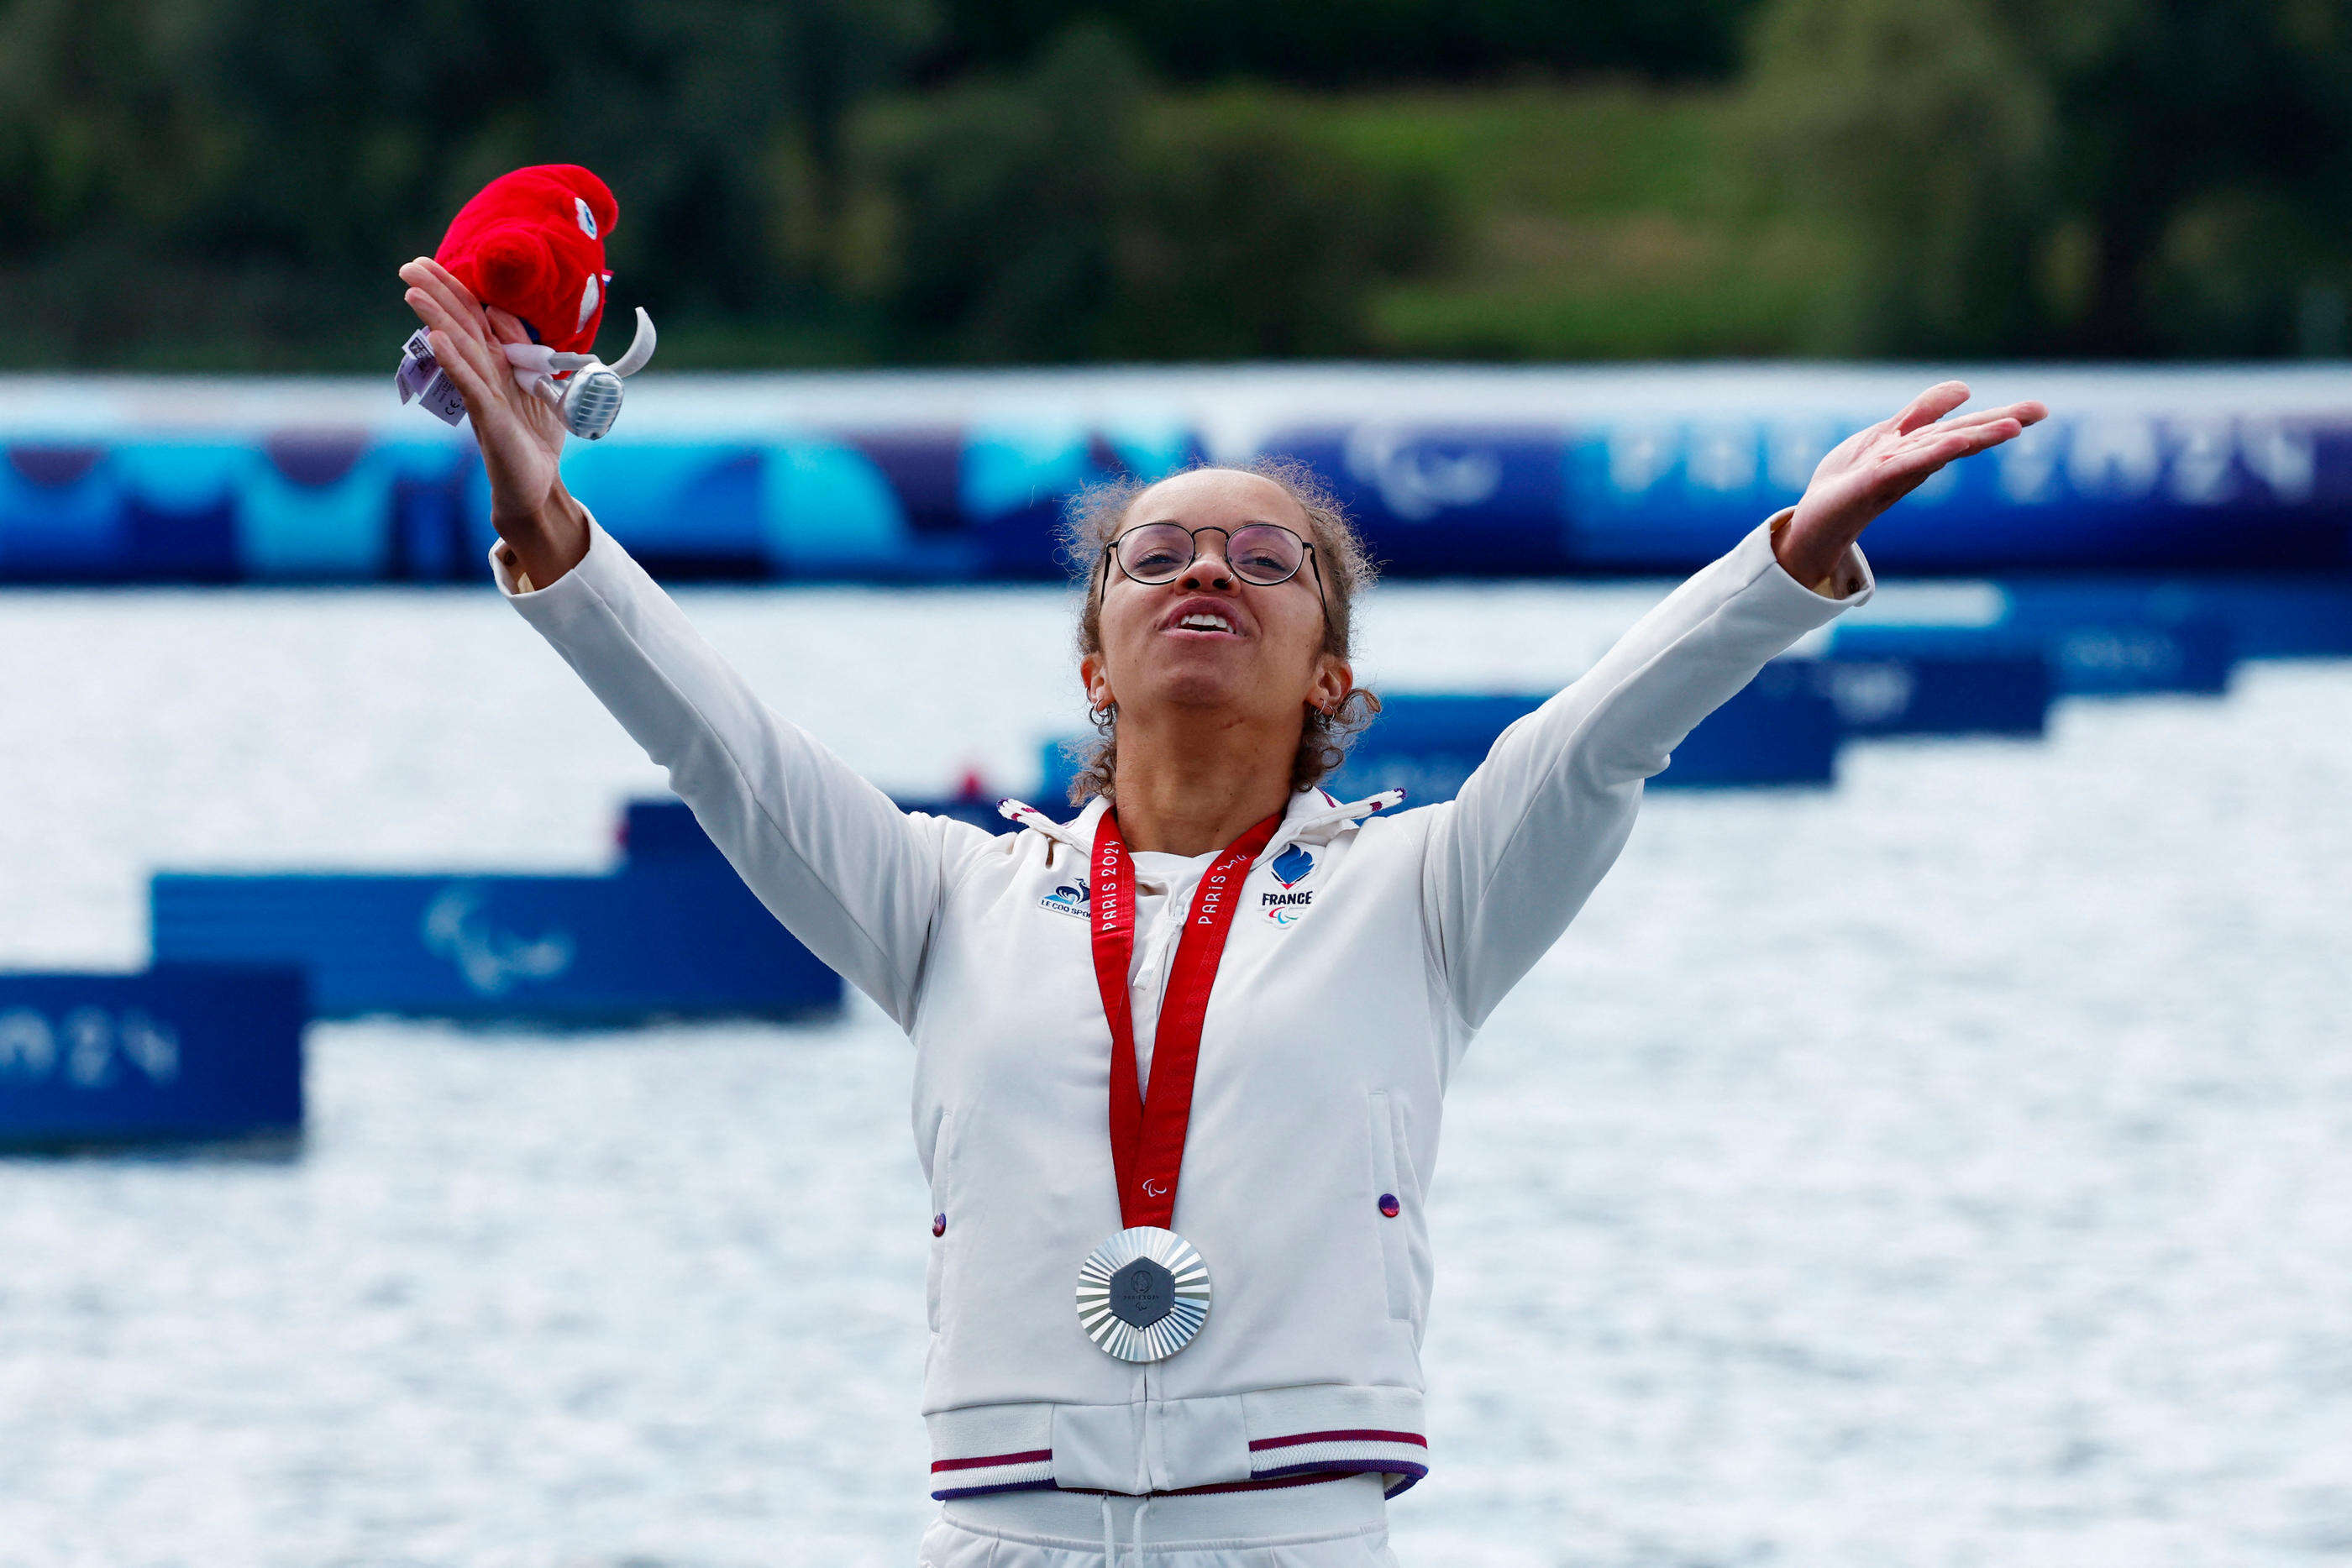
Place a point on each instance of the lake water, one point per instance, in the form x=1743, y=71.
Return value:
x=1953, y=1168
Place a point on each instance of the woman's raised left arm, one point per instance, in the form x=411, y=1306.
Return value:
x=1513, y=857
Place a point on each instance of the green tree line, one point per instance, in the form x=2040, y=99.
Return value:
x=1328, y=43
x=2115, y=178
x=227, y=183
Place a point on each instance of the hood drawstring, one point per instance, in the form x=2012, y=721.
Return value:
x=1110, y=1532
x=1028, y=816
x=1337, y=813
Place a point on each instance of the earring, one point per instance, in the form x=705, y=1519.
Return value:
x=1103, y=715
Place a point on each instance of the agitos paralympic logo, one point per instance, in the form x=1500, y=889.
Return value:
x=1289, y=868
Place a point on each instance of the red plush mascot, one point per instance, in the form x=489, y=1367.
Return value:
x=532, y=243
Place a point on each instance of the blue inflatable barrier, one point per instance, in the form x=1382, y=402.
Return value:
x=317, y=508
x=666, y=830
x=663, y=832
x=673, y=933
x=940, y=477
x=1993, y=691
x=2113, y=491
x=2118, y=659
x=982, y=814
x=64, y=514
x=2266, y=617
x=1013, y=480
x=1436, y=500
x=1781, y=729
x=181, y=1052
x=2098, y=658
x=684, y=510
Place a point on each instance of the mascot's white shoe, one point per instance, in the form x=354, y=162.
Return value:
x=582, y=389
x=589, y=398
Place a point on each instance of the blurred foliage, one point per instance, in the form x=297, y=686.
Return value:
x=228, y=183
x=1333, y=43
x=246, y=174
x=1614, y=221
x=2107, y=177
x=1071, y=213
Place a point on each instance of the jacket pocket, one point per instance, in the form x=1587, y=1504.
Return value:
x=1403, y=1247
x=943, y=1217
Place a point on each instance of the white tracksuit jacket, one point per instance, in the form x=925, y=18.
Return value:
x=1368, y=947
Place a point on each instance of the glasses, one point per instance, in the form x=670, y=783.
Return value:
x=1265, y=555
x=1261, y=553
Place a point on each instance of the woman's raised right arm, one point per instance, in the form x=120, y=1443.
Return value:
x=852, y=876
x=858, y=881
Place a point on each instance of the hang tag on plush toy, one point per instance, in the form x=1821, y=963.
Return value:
x=422, y=379
x=532, y=243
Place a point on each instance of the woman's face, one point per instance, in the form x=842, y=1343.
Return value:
x=1264, y=664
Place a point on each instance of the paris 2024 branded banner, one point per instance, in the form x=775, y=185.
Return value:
x=964, y=477
x=181, y=1052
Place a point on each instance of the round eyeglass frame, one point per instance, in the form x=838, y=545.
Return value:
x=1305, y=557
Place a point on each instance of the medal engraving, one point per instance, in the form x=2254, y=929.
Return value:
x=1143, y=1294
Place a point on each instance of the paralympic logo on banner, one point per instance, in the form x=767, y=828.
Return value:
x=458, y=928
x=1419, y=475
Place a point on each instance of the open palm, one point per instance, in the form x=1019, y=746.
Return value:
x=1879, y=464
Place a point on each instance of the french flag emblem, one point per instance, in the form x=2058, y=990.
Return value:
x=1291, y=866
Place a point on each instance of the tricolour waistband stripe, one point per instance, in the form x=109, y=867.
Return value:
x=1259, y=1483
x=1031, y=1457
x=1275, y=1435
x=1343, y=1451
x=980, y=1474
x=1387, y=1465
x=1268, y=1481
x=1348, y=1435
x=949, y=1494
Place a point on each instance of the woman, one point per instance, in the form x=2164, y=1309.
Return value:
x=1179, y=1063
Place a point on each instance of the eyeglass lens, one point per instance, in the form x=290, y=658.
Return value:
x=1262, y=553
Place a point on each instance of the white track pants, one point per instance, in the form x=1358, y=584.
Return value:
x=1331, y=1524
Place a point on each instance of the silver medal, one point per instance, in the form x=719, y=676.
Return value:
x=1143, y=1294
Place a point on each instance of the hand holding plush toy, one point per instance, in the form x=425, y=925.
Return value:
x=532, y=243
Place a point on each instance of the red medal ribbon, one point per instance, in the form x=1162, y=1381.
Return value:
x=1147, y=1138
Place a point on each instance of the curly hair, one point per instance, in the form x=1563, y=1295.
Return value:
x=1092, y=520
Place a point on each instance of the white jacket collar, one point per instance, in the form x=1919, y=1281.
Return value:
x=1312, y=812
